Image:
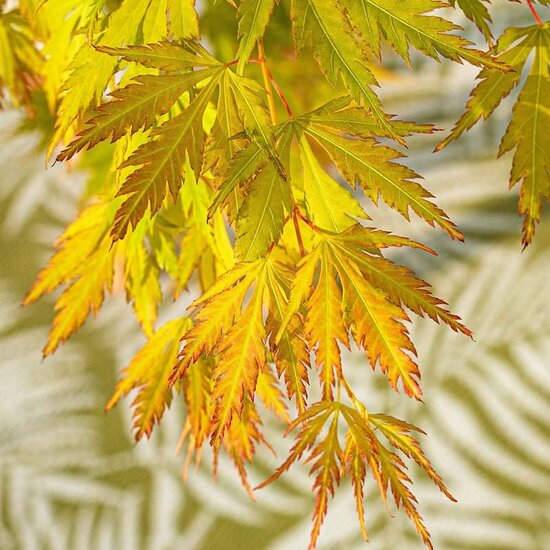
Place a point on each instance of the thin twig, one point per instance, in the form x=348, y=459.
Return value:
x=280, y=93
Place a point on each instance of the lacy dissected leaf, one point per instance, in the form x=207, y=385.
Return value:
x=133, y=107
x=319, y=437
x=148, y=372
x=229, y=327
x=250, y=99
x=270, y=394
x=399, y=435
x=325, y=452
x=364, y=447
x=341, y=115
x=241, y=439
x=378, y=327
x=355, y=298
x=330, y=206
x=216, y=316
x=403, y=25
x=142, y=280
x=291, y=357
x=527, y=133
x=84, y=296
x=254, y=15
x=84, y=259
x=63, y=28
x=373, y=167
x=205, y=242
x=476, y=11
x=197, y=389
x=245, y=164
x=494, y=86
x=241, y=356
x=293, y=362
x=341, y=55
x=78, y=242
x=183, y=21
x=404, y=287
x=326, y=328
x=82, y=87
x=242, y=112
x=224, y=144
x=164, y=56
x=161, y=162
x=262, y=215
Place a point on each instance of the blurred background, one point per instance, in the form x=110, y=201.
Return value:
x=71, y=476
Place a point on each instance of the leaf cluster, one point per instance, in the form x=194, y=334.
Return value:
x=208, y=178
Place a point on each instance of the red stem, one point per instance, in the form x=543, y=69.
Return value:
x=534, y=12
x=280, y=93
x=301, y=246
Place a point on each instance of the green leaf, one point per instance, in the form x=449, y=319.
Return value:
x=340, y=54
x=494, y=86
x=528, y=134
x=165, y=56
x=330, y=206
x=161, y=162
x=343, y=116
x=254, y=15
x=244, y=166
x=250, y=99
x=476, y=11
x=183, y=19
x=372, y=166
x=262, y=216
x=403, y=25
x=136, y=106
x=84, y=87
x=224, y=144
x=528, y=131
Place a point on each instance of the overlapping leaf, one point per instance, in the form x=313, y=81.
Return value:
x=361, y=159
x=134, y=107
x=148, y=372
x=353, y=298
x=254, y=15
x=229, y=326
x=161, y=162
x=402, y=26
x=320, y=23
x=363, y=449
x=343, y=53
x=476, y=11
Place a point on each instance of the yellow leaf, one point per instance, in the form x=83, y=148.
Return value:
x=242, y=356
x=78, y=241
x=269, y=392
x=148, y=372
x=83, y=297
